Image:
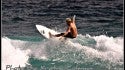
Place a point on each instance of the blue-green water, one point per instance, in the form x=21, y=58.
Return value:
x=84, y=52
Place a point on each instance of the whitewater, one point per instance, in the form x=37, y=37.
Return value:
x=102, y=51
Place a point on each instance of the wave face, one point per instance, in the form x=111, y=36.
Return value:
x=96, y=52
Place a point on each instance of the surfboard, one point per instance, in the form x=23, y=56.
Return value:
x=44, y=31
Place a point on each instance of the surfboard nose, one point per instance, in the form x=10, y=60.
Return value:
x=37, y=25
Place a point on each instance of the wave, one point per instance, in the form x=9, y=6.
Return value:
x=12, y=55
x=99, y=50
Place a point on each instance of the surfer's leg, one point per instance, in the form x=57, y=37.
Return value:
x=58, y=35
x=69, y=35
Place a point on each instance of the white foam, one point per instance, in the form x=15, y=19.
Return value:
x=11, y=55
x=105, y=48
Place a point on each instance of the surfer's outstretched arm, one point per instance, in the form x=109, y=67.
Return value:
x=73, y=19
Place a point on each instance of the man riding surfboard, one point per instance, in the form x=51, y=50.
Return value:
x=71, y=31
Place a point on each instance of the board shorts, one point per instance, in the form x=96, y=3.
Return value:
x=69, y=35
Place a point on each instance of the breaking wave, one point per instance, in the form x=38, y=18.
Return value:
x=98, y=50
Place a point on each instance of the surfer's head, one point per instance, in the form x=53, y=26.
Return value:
x=68, y=20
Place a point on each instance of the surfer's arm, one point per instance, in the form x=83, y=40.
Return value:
x=67, y=31
x=73, y=19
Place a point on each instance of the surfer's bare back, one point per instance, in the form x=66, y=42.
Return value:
x=71, y=31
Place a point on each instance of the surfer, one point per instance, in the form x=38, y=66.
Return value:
x=71, y=31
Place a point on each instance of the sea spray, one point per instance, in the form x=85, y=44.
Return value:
x=94, y=51
x=12, y=55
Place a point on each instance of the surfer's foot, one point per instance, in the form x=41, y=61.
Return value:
x=50, y=35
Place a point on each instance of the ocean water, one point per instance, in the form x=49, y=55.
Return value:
x=98, y=46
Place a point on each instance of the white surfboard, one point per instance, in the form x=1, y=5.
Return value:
x=44, y=31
